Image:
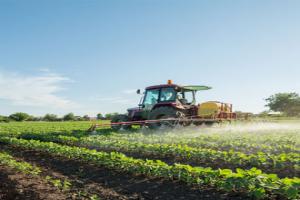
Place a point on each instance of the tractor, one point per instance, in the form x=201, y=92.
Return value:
x=168, y=105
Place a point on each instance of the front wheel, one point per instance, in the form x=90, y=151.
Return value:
x=118, y=119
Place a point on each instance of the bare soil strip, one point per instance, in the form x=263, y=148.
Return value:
x=110, y=184
x=79, y=189
x=19, y=186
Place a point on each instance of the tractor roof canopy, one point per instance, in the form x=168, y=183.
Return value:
x=187, y=88
x=196, y=87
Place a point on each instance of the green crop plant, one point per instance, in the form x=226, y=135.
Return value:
x=181, y=152
x=252, y=182
x=24, y=167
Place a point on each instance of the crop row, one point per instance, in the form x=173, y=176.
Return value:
x=24, y=167
x=274, y=143
x=252, y=182
x=184, y=152
x=17, y=128
x=290, y=161
x=269, y=140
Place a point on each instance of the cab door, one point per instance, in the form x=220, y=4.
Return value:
x=150, y=99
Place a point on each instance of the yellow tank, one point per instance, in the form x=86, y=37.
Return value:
x=209, y=109
x=212, y=109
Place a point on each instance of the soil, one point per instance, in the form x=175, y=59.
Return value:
x=19, y=186
x=111, y=184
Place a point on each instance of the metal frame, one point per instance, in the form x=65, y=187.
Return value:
x=229, y=117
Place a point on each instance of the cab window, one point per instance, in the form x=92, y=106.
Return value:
x=151, y=98
x=167, y=95
x=189, y=96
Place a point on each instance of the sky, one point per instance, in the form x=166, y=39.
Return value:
x=90, y=56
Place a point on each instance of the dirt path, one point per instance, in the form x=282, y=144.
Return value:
x=110, y=184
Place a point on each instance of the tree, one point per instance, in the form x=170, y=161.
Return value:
x=264, y=113
x=19, y=116
x=109, y=116
x=78, y=118
x=287, y=103
x=50, y=117
x=69, y=117
x=4, y=119
x=30, y=118
x=86, y=118
x=99, y=116
x=244, y=115
x=37, y=119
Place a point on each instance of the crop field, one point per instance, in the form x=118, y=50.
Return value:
x=61, y=160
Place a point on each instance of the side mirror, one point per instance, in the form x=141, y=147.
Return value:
x=138, y=91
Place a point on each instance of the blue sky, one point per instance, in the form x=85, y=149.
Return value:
x=58, y=56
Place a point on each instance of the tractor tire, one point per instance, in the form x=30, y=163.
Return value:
x=120, y=118
x=198, y=123
x=164, y=113
x=209, y=124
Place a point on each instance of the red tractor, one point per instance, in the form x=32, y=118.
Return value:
x=170, y=105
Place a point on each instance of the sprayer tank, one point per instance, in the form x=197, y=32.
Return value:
x=212, y=109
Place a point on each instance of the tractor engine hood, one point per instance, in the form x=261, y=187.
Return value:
x=133, y=109
x=132, y=112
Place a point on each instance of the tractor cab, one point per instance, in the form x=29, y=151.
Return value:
x=167, y=95
x=171, y=94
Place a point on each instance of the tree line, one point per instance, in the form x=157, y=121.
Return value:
x=21, y=116
x=283, y=104
x=287, y=104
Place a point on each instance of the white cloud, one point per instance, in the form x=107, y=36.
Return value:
x=44, y=69
x=129, y=91
x=111, y=99
x=37, y=91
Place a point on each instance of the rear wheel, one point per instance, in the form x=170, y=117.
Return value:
x=196, y=123
x=120, y=118
x=168, y=117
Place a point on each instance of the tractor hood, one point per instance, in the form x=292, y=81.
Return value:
x=133, y=109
